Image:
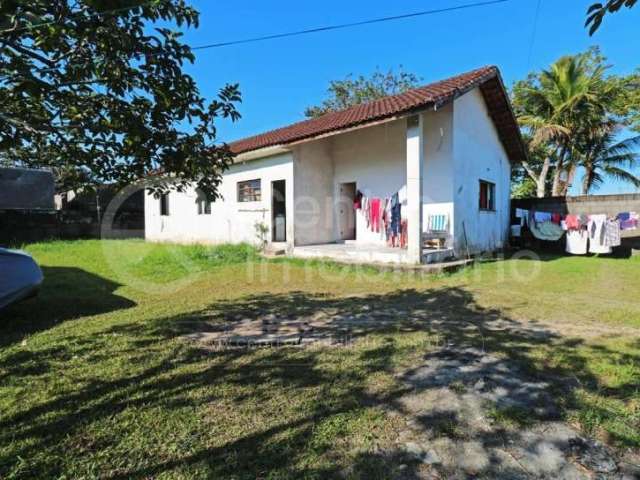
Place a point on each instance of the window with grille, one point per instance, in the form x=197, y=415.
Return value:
x=164, y=204
x=487, y=196
x=204, y=205
x=249, y=191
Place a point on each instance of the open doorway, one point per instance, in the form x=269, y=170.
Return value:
x=278, y=211
x=347, y=214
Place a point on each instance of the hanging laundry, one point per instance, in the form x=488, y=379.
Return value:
x=394, y=225
x=548, y=231
x=577, y=242
x=375, y=214
x=541, y=217
x=584, y=220
x=612, y=233
x=628, y=220
x=572, y=222
x=387, y=218
x=365, y=210
x=523, y=215
x=357, y=201
x=596, y=229
x=404, y=234
x=530, y=218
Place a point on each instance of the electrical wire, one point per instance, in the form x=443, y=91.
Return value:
x=533, y=34
x=347, y=25
x=325, y=28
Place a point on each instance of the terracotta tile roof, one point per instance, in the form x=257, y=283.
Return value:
x=434, y=94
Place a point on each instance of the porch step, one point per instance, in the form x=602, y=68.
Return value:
x=437, y=256
x=448, y=267
x=274, y=251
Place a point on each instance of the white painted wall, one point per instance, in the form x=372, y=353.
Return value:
x=438, y=188
x=375, y=158
x=313, y=193
x=461, y=147
x=230, y=221
x=478, y=155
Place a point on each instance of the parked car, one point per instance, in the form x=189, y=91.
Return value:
x=20, y=276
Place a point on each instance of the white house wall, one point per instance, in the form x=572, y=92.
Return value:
x=313, y=193
x=375, y=159
x=478, y=155
x=230, y=221
x=437, y=185
x=461, y=148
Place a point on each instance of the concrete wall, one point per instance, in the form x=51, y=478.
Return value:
x=26, y=188
x=21, y=226
x=313, y=191
x=230, y=220
x=585, y=204
x=478, y=155
x=375, y=159
x=437, y=189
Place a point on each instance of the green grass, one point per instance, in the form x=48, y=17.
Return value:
x=96, y=379
x=510, y=416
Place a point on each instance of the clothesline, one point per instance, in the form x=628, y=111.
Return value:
x=384, y=216
x=594, y=233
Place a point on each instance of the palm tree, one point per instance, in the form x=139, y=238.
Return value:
x=604, y=156
x=540, y=160
x=556, y=107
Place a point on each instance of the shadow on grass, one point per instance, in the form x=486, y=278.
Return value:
x=65, y=294
x=178, y=376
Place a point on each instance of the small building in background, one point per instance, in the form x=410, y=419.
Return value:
x=31, y=211
x=26, y=189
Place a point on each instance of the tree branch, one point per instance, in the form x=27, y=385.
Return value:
x=30, y=53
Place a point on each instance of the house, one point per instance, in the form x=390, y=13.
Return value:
x=445, y=147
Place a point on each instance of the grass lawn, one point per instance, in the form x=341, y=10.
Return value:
x=97, y=380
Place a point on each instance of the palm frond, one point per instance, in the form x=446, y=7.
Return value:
x=621, y=175
x=628, y=159
x=594, y=182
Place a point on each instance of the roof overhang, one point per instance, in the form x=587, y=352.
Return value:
x=261, y=153
x=392, y=108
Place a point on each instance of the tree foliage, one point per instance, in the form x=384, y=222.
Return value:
x=353, y=91
x=604, y=155
x=564, y=111
x=96, y=90
x=597, y=11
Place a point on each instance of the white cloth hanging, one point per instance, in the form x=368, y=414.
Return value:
x=523, y=215
x=612, y=233
x=577, y=242
x=597, y=229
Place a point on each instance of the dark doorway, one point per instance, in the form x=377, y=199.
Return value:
x=278, y=211
x=347, y=218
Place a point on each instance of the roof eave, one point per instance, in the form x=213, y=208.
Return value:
x=515, y=152
x=285, y=147
x=268, y=151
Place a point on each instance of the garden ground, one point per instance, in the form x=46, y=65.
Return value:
x=515, y=368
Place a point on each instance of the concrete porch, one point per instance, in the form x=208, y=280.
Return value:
x=356, y=253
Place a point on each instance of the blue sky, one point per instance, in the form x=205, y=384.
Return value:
x=279, y=78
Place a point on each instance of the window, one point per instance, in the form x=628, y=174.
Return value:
x=164, y=204
x=249, y=191
x=204, y=205
x=487, y=195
